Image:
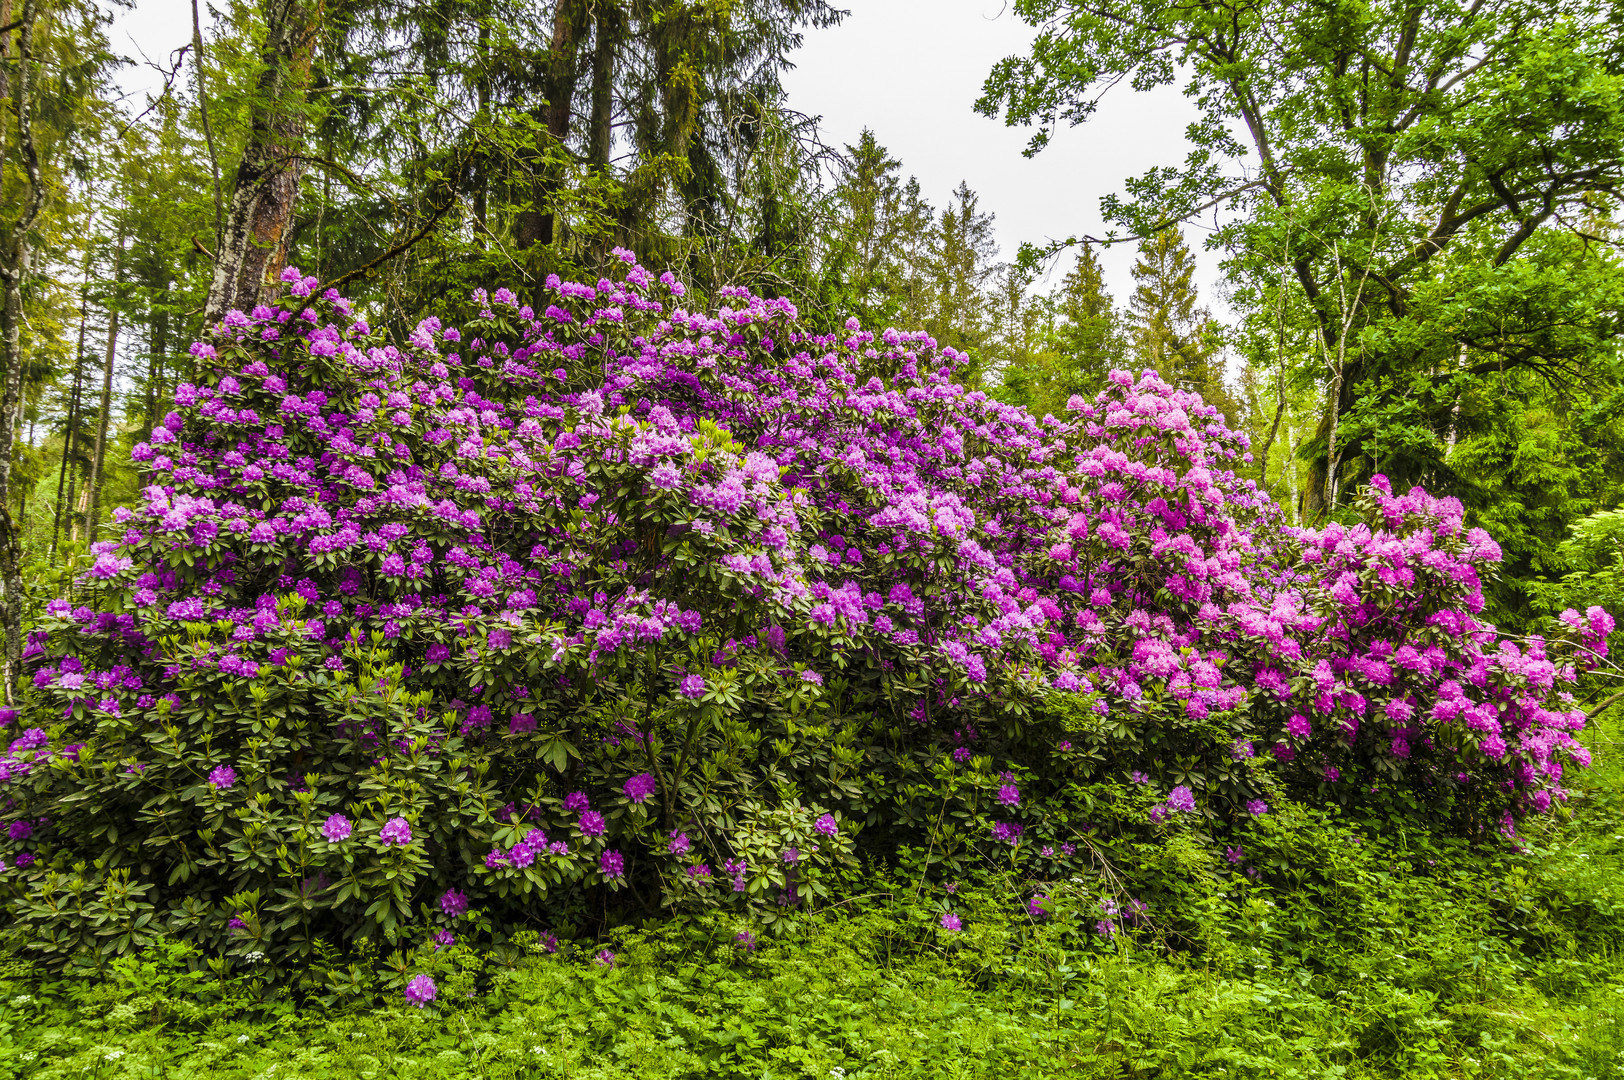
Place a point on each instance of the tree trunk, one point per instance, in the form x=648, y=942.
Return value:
x=1454, y=410
x=158, y=345
x=537, y=225
x=606, y=37
x=1280, y=381
x=259, y=220
x=1293, y=498
x=203, y=114
x=62, y=487
x=481, y=178
x=14, y=266
x=94, y=483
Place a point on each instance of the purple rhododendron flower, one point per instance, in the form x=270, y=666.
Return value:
x=454, y=903
x=1009, y=795
x=421, y=990
x=396, y=832
x=1257, y=807
x=592, y=824
x=827, y=825
x=640, y=787
x=576, y=801
x=336, y=828
x=693, y=686
x=613, y=864
x=951, y=922
x=222, y=777
x=1007, y=831
x=1181, y=799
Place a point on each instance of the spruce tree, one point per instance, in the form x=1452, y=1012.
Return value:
x=1090, y=329
x=877, y=219
x=1170, y=331
x=961, y=266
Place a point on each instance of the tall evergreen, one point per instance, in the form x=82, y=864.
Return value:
x=960, y=268
x=878, y=219
x=1169, y=330
x=1090, y=331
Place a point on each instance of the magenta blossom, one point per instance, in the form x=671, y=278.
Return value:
x=1007, y=831
x=640, y=787
x=421, y=990
x=336, y=828
x=222, y=777
x=396, y=832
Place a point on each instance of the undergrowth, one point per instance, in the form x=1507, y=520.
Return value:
x=1359, y=949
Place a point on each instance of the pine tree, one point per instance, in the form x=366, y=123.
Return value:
x=877, y=219
x=961, y=265
x=1070, y=342
x=1170, y=332
x=1090, y=334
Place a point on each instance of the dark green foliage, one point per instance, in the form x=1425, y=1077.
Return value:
x=1362, y=950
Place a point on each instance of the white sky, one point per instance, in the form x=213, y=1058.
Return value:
x=911, y=70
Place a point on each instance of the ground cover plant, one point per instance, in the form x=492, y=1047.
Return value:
x=1401, y=956
x=566, y=618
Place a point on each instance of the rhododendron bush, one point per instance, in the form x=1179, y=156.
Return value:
x=621, y=596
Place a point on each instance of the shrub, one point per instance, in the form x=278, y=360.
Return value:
x=627, y=597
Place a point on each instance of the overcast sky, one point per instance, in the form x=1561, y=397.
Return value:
x=911, y=70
